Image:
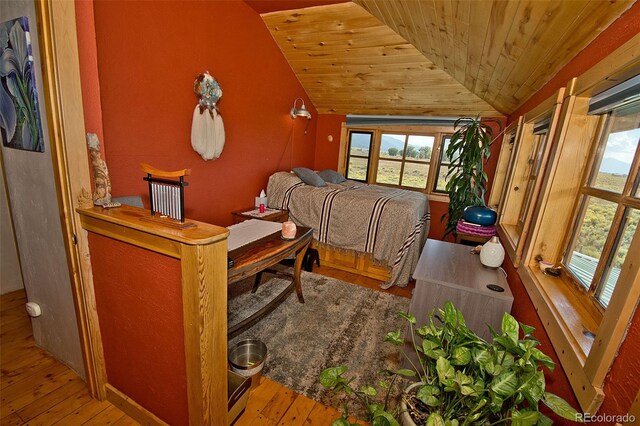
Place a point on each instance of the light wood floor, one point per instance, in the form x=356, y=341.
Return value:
x=35, y=389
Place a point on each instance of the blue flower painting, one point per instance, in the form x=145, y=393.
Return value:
x=20, y=125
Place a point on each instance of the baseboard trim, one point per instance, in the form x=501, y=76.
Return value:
x=134, y=410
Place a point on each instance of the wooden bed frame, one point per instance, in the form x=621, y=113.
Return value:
x=352, y=261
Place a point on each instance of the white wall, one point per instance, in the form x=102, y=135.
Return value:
x=10, y=275
x=34, y=205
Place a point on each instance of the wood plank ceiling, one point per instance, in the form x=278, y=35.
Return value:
x=435, y=57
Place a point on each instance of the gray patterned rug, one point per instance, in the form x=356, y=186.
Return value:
x=340, y=324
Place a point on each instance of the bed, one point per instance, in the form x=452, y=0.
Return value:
x=386, y=224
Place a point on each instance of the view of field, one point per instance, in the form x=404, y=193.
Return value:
x=598, y=218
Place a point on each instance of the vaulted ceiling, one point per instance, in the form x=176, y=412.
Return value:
x=434, y=57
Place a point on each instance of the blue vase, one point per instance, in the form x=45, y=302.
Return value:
x=480, y=215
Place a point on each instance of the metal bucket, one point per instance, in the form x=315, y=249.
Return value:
x=247, y=357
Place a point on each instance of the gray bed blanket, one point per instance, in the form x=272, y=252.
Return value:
x=389, y=223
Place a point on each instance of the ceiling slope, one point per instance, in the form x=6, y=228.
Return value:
x=502, y=51
x=351, y=63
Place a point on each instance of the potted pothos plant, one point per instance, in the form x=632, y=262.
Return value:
x=461, y=378
x=468, y=151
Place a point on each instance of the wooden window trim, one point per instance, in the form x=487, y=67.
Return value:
x=513, y=231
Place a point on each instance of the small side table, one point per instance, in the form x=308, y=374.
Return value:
x=447, y=271
x=276, y=215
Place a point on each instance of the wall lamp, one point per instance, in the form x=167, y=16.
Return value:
x=300, y=112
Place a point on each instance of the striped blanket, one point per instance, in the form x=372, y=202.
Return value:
x=391, y=224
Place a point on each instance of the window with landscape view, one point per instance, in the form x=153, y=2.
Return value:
x=409, y=158
x=609, y=207
x=443, y=167
x=404, y=160
x=358, y=156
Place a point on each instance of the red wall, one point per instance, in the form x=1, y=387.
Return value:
x=139, y=303
x=623, y=380
x=89, y=68
x=326, y=156
x=148, y=57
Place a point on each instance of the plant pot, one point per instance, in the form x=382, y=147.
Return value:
x=405, y=417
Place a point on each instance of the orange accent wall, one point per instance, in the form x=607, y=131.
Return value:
x=139, y=302
x=148, y=57
x=89, y=68
x=326, y=156
x=623, y=380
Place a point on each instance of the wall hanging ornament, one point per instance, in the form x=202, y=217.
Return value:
x=207, y=128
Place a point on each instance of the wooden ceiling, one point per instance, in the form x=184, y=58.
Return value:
x=434, y=57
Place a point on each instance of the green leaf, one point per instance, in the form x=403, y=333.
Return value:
x=510, y=328
x=405, y=372
x=444, y=369
x=496, y=402
x=331, y=377
x=368, y=390
x=381, y=421
x=381, y=417
x=505, y=384
x=527, y=329
x=545, y=360
x=460, y=355
x=341, y=422
x=394, y=337
x=428, y=395
x=560, y=406
x=524, y=418
x=532, y=387
x=450, y=315
x=544, y=420
x=408, y=317
x=432, y=349
x=434, y=419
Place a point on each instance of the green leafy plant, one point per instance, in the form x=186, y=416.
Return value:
x=465, y=380
x=375, y=407
x=468, y=151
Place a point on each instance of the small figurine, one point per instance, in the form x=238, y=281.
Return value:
x=102, y=193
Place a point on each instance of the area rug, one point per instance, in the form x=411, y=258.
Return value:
x=340, y=324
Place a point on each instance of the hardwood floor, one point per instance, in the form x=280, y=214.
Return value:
x=36, y=389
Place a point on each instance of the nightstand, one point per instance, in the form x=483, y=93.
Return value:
x=273, y=215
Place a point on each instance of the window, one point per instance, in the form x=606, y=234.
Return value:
x=609, y=207
x=523, y=178
x=534, y=165
x=403, y=156
x=404, y=160
x=358, y=155
x=443, y=166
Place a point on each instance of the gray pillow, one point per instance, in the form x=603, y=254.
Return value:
x=309, y=177
x=331, y=176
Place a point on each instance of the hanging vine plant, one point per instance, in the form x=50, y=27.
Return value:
x=469, y=149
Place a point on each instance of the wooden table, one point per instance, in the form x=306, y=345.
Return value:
x=276, y=216
x=449, y=271
x=258, y=256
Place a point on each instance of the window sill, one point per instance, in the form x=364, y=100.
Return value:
x=565, y=319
